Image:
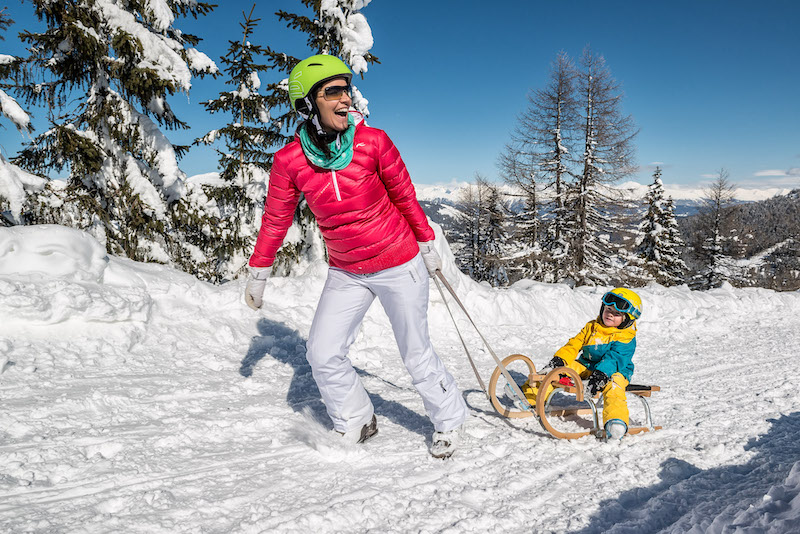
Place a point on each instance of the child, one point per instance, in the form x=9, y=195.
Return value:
x=602, y=354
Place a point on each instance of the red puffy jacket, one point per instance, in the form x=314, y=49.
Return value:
x=368, y=212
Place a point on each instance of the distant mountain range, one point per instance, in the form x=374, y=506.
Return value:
x=438, y=199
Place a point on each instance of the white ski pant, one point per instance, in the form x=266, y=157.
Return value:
x=346, y=297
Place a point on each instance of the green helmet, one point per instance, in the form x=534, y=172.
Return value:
x=312, y=71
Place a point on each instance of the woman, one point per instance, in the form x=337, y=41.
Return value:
x=379, y=244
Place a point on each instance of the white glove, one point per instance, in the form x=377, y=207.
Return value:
x=431, y=258
x=256, y=282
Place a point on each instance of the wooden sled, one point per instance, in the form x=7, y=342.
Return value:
x=543, y=410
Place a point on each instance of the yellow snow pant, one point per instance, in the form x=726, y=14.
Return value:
x=615, y=406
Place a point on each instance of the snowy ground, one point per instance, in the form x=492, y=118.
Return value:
x=137, y=399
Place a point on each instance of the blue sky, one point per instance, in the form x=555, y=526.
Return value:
x=710, y=84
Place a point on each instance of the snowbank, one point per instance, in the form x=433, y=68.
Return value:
x=138, y=399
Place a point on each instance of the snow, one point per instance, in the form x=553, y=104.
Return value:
x=11, y=110
x=161, y=14
x=159, y=52
x=139, y=399
x=15, y=185
x=353, y=29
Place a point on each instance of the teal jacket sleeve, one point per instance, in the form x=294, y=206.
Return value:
x=618, y=359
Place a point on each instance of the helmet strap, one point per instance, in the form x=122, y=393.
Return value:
x=313, y=115
x=318, y=126
x=626, y=322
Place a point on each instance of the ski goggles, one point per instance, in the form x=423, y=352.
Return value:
x=335, y=92
x=619, y=303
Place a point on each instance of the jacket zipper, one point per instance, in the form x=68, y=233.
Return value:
x=336, y=185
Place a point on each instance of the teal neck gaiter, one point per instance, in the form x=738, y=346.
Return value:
x=341, y=148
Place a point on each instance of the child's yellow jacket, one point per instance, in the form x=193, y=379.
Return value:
x=606, y=349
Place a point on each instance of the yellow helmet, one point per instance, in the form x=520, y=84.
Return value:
x=626, y=301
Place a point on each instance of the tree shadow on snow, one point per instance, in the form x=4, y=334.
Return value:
x=285, y=345
x=689, y=498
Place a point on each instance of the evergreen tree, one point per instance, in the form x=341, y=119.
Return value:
x=244, y=160
x=714, y=221
x=495, y=237
x=104, y=70
x=520, y=176
x=672, y=258
x=596, y=212
x=469, y=231
x=483, y=255
x=659, y=242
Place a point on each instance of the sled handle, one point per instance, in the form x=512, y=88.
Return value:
x=502, y=410
x=542, y=398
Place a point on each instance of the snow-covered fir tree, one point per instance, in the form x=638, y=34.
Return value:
x=525, y=220
x=244, y=157
x=522, y=178
x=675, y=247
x=659, y=244
x=468, y=231
x=495, y=238
x=482, y=233
x=709, y=248
x=596, y=212
x=104, y=70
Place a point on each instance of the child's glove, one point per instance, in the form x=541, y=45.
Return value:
x=552, y=364
x=597, y=381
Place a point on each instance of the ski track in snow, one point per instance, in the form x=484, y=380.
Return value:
x=136, y=399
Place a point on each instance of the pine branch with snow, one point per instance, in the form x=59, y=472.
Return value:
x=338, y=28
x=9, y=71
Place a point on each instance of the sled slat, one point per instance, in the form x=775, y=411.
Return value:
x=642, y=391
x=568, y=411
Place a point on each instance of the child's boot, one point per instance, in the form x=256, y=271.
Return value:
x=615, y=429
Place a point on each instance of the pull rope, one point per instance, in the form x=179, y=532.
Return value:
x=461, y=338
x=512, y=384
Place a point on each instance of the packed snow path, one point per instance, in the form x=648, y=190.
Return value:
x=137, y=399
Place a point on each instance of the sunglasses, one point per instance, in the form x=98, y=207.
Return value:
x=618, y=303
x=335, y=92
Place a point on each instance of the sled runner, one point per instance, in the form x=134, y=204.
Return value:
x=567, y=385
